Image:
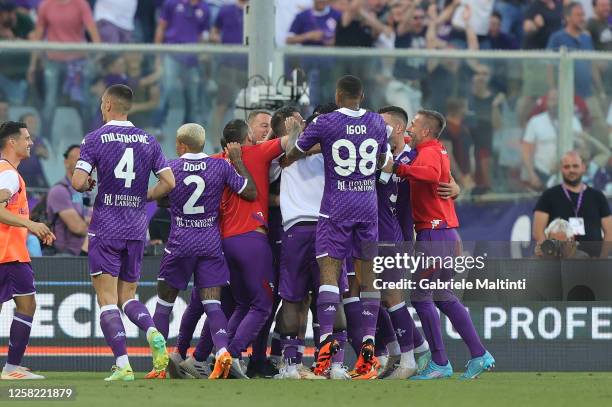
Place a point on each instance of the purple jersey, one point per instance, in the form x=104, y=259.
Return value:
x=389, y=227
x=404, y=208
x=124, y=157
x=195, y=203
x=351, y=142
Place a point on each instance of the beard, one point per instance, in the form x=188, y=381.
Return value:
x=573, y=183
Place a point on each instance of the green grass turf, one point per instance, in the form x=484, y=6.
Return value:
x=491, y=390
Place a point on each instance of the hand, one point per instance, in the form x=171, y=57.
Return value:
x=432, y=12
x=467, y=14
x=448, y=190
x=538, y=250
x=233, y=151
x=292, y=125
x=316, y=35
x=529, y=26
x=539, y=21
x=535, y=181
x=499, y=99
x=42, y=231
x=5, y=195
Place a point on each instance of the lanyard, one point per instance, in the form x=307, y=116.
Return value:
x=578, y=204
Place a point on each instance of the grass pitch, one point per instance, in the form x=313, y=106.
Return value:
x=491, y=390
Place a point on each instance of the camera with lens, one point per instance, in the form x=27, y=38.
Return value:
x=552, y=248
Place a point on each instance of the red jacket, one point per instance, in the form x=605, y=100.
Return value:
x=430, y=167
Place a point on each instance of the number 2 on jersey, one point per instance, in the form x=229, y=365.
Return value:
x=367, y=153
x=125, y=168
x=189, y=208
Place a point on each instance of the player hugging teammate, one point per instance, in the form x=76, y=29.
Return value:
x=345, y=186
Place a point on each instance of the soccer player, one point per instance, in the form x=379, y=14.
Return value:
x=194, y=244
x=436, y=225
x=124, y=157
x=354, y=145
x=16, y=275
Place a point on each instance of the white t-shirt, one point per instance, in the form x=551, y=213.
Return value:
x=301, y=190
x=9, y=179
x=542, y=132
x=286, y=10
x=481, y=12
x=119, y=12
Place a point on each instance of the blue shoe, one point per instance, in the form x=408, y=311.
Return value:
x=434, y=371
x=422, y=360
x=475, y=367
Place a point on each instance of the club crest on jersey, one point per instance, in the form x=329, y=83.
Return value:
x=435, y=224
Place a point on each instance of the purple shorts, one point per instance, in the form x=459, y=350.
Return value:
x=340, y=240
x=299, y=270
x=435, y=243
x=207, y=271
x=16, y=280
x=119, y=258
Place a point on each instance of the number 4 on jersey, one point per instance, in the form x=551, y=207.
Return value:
x=125, y=168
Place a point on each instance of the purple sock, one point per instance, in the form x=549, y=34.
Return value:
x=370, y=304
x=403, y=325
x=275, y=345
x=430, y=321
x=217, y=323
x=341, y=337
x=352, y=309
x=112, y=327
x=205, y=344
x=161, y=317
x=384, y=332
x=138, y=314
x=290, y=344
x=19, y=338
x=460, y=318
x=189, y=320
x=300, y=351
x=328, y=302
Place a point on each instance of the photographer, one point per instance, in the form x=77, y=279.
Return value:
x=560, y=242
x=68, y=210
x=586, y=209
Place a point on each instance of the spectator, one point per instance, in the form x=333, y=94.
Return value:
x=145, y=21
x=286, y=11
x=496, y=38
x=359, y=25
x=560, y=242
x=259, y=122
x=31, y=169
x=115, y=19
x=480, y=14
x=586, y=76
x=181, y=22
x=64, y=21
x=600, y=26
x=585, y=208
x=317, y=27
x=144, y=77
x=67, y=211
x=511, y=13
x=481, y=127
x=458, y=140
x=228, y=29
x=542, y=19
x=581, y=110
x=14, y=25
x=539, y=147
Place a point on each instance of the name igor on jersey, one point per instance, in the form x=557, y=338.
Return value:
x=351, y=142
x=195, y=203
x=124, y=157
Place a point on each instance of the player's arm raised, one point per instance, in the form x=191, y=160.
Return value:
x=163, y=187
x=234, y=152
x=294, y=153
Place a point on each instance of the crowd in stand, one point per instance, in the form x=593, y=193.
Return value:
x=502, y=119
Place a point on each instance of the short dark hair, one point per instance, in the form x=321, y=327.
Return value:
x=236, y=131
x=350, y=87
x=278, y=119
x=319, y=110
x=497, y=14
x=435, y=119
x=256, y=113
x=10, y=129
x=122, y=93
x=396, y=112
x=567, y=10
x=69, y=150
